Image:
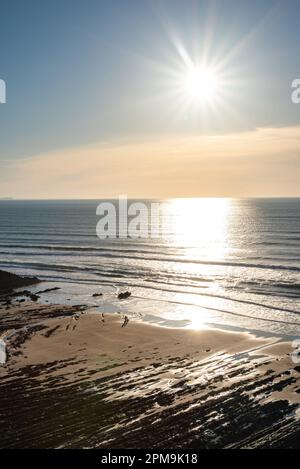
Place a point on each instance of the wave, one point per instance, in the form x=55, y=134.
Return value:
x=224, y=311
x=126, y=277
x=144, y=255
x=222, y=297
x=286, y=286
x=165, y=276
x=74, y=249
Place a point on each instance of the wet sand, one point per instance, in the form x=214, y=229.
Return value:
x=78, y=379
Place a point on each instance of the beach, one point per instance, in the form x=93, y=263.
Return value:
x=77, y=378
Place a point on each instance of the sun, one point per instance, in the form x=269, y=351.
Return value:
x=200, y=84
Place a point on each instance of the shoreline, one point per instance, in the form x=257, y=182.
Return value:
x=173, y=309
x=76, y=378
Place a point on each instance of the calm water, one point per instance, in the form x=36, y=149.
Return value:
x=218, y=261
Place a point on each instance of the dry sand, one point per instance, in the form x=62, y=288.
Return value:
x=78, y=379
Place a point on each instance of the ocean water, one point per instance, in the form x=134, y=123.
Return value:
x=223, y=262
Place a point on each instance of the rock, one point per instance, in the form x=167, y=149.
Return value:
x=47, y=290
x=124, y=295
x=33, y=297
x=9, y=281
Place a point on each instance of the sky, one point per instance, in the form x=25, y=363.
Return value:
x=97, y=104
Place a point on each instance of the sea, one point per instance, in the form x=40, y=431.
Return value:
x=229, y=263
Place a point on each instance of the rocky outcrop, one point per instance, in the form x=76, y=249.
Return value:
x=9, y=281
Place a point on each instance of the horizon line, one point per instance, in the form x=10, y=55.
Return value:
x=12, y=199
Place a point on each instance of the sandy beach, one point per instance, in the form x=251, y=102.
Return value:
x=75, y=378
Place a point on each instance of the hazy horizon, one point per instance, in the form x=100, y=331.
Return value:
x=7, y=199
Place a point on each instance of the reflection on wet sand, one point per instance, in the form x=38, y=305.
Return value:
x=82, y=380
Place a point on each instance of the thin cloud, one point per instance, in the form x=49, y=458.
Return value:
x=263, y=162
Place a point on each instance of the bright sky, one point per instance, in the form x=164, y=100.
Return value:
x=149, y=98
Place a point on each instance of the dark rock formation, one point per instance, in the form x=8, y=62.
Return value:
x=9, y=281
